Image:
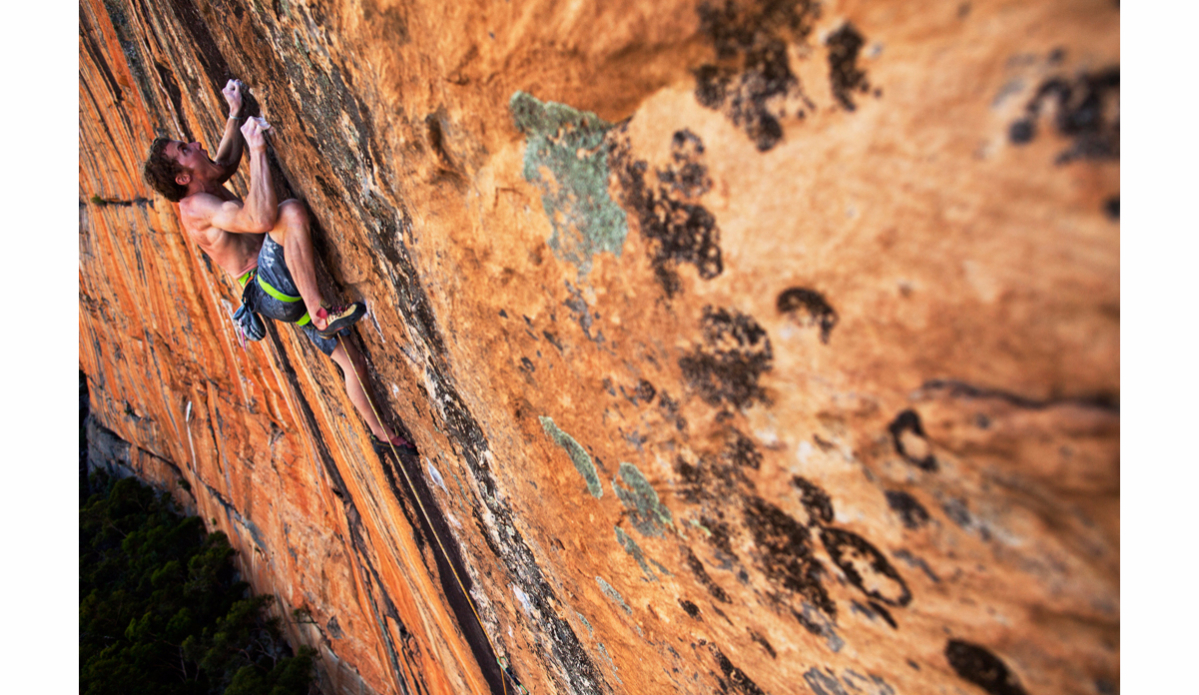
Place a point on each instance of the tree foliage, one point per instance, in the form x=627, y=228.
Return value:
x=161, y=611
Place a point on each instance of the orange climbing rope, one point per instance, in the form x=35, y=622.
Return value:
x=412, y=488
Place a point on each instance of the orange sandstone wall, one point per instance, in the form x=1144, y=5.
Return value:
x=750, y=347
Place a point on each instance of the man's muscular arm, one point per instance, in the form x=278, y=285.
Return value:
x=257, y=214
x=228, y=154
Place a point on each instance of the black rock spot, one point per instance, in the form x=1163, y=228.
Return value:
x=678, y=229
x=670, y=410
x=818, y=310
x=693, y=479
x=815, y=500
x=905, y=425
x=1111, y=207
x=982, y=668
x=865, y=567
x=390, y=21
x=1086, y=110
x=719, y=476
x=823, y=682
x=688, y=177
x=726, y=368
x=645, y=391
x=785, y=549
x=553, y=338
x=957, y=512
x=740, y=451
x=844, y=74
x=884, y=614
x=765, y=644
x=697, y=568
x=872, y=609
x=734, y=678
x=869, y=684
x=913, y=561
x=751, y=73
x=1022, y=131
x=913, y=513
x=526, y=365
x=582, y=312
x=808, y=625
x=720, y=536
x=691, y=609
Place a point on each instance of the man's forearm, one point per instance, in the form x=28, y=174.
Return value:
x=260, y=203
x=228, y=154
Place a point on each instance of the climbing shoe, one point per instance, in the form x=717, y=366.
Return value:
x=340, y=317
x=402, y=445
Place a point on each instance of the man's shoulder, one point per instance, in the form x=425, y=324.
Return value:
x=201, y=206
x=198, y=200
x=196, y=211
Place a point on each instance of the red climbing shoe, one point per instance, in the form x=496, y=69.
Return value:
x=397, y=441
x=339, y=317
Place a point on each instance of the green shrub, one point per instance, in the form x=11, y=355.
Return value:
x=161, y=610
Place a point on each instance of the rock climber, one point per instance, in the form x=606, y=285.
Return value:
x=262, y=243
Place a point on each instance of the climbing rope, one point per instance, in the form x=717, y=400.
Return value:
x=504, y=674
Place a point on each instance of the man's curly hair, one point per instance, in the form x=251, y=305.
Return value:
x=160, y=171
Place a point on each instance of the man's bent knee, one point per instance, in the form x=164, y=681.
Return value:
x=293, y=215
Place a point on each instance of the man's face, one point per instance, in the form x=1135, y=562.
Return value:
x=189, y=155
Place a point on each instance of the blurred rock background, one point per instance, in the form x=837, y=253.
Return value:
x=750, y=347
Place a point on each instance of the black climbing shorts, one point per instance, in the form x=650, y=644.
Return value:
x=272, y=268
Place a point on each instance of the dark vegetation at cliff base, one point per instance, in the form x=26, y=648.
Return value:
x=161, y=610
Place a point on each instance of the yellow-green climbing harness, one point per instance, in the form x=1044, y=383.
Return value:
x=252, y=274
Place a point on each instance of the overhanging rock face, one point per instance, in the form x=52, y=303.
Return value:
x=749, y=347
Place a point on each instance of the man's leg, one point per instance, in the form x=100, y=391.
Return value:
x=291, y=232
x=348, y=358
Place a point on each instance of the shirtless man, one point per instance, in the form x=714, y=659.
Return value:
x=262, y=243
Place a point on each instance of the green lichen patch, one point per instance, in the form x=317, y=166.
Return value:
x=567, y=156
x=590, y=630
x=647, y=514
x=577, y=455
x=630, y=546
x=611, y=663
x=612, y=594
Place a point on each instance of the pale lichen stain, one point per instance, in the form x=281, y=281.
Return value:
x=645, y=509
x=567, y=156
x=613, y=594
x=577, y=455
x=630, y=546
